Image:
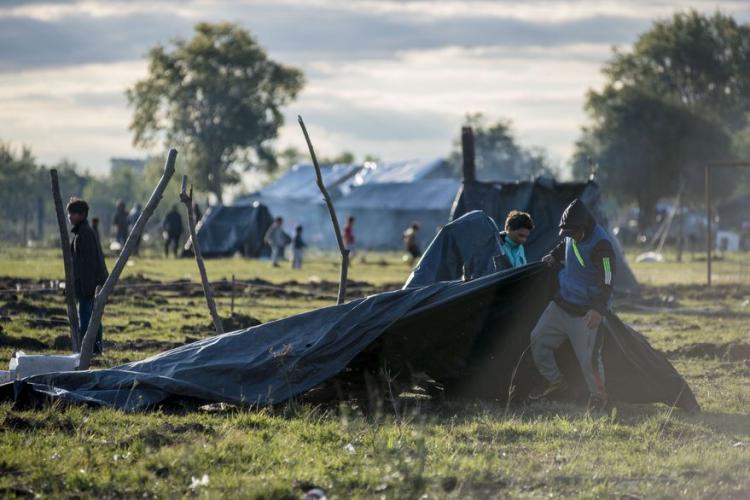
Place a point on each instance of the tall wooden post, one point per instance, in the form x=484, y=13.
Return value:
x=468, y=152
x=70, y=299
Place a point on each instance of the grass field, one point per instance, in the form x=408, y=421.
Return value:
x=451, y=450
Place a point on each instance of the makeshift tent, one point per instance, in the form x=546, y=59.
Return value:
x=471, y=337
x=545, y=199
x=228, y=229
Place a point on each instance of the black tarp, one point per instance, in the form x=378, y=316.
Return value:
x=545, y=199
x=469, y=336
x=227, y=229
x=464, y=248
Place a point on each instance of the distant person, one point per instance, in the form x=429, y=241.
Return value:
x=120, y=223
x=410, y=242
x=197, y=212
x=349, y=241
x=133, y=217
x=586, y=262
x=172, y=230
x=518, y=226
x=298, y=248
x=277, y=240
x=89, y=268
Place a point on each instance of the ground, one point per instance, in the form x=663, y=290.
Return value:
x=416, y=448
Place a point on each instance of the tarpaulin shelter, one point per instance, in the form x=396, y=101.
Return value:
x=470, y=337
x=227, y=229
x=545, y=199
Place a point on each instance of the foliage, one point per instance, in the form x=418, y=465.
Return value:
x=673, y=102
x=498, y=156
x=217, y=97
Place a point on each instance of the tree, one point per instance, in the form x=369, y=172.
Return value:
x=668, y=106
x=217, y=97
x=647, y=147
x=498, y=156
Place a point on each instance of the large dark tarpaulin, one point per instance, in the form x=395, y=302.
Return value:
x=469, y=336
x=228, y=229
x=545, y=199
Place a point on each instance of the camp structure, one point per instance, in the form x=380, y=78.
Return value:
x=229, y=229
x=545, y=199
x=383, y=197
x=468, y=338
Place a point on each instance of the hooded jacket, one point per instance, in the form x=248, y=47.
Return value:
x=587, y=267
x=89, y=269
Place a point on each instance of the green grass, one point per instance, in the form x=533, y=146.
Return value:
x=449, y=450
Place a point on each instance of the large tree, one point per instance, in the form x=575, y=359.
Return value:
x=216, y=96
x=498, y=156
x=669, y=105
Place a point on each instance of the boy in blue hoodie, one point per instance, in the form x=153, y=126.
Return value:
x=518, y=226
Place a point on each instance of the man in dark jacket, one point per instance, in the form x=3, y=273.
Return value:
x=89, y=269
x=172, y=228
x=120, y=222
x=586, y=262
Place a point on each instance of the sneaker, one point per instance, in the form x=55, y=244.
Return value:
x=545, y=392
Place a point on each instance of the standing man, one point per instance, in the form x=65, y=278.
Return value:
x=275, y=238
x=298, y=248
x=172, y=227
x=410, y=243
x=120, y=223
x=349, y=241
x=518, y=226
x=587, y=261
x=89, y=269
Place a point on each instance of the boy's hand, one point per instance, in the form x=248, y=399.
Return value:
x=593, y=319
x=549, y=260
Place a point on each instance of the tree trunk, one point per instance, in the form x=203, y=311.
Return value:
x=647, y=214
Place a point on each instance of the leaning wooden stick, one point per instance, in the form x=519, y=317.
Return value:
x=100, y=300
x=344, y=251
x=70, y=298
x=187, y=199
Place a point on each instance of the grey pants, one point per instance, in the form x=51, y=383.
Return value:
x=554, y=326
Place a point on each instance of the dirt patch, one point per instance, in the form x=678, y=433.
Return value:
x=237, y=322
x=731, y=351
x=62, y=343
x=16, y=306
x=29, y=343
x=46, y=323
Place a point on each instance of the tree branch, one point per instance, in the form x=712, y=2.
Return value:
x=344, y=251
x=70, y=299
x=101, y=298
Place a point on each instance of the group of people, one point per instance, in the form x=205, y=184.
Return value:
x=584, y=260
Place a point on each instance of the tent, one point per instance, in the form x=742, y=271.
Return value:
x=227, y=229
x=470, y=337
x=545, y=199
x=383, y=210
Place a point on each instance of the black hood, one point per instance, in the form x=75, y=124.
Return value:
x=577, y=216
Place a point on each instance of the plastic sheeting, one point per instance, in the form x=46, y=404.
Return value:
x=227, y=229
x=472, y=337
x=464, y=248
x=545, y=199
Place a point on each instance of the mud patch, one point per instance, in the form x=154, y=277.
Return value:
x=731, y=351
x=29, y=343
x=16, y=306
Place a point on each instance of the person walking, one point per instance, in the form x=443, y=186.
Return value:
x=410, y=243
x=349, y=240
x=298, y=248
x=120, y=223
x=518, y=227
x=89, y=268
x=172, y=228
x=277, y=240
x=586, y=262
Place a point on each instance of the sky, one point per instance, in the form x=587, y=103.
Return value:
x=387, y=78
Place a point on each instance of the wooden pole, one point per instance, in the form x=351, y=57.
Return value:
x=334, y=220
x=231, y=306
x=468, y=153
x=187, y=199
x=70, y=298
x=101, y=298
